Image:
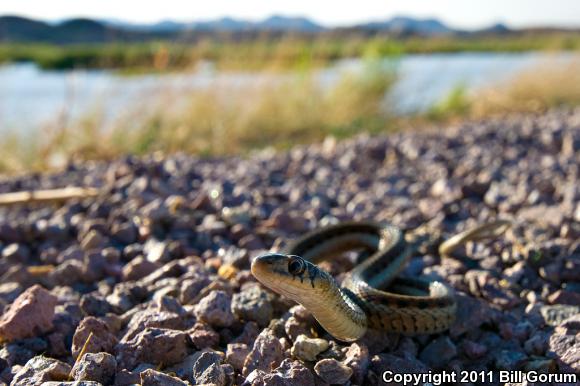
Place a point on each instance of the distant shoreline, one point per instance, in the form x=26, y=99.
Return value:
x=266, y=52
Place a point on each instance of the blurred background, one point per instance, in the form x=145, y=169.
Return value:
x=95, y=80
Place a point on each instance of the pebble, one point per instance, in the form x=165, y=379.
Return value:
x=102, y=339
x=236, y=354
x=99, y=367
x=207, y=369
x=41, y=369
x=72, y=383
x=307, y=349
x=266, y=352
x=332, y=371
x=357, y=359
x=203, y=336
x=509, y=359
x=564, y=346
x=289, y=373
x=31, y=313
x=153, y=345
x=151, y=377
x=215, y=309
x=253, y=303
x=158, y=267
x=16, y=253
x=440, y=351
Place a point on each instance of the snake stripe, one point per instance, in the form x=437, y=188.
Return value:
x=371, y=296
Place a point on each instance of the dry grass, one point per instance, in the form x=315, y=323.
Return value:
x=227, y=119
x=535, y=90
x=223, y=119
x=532, y=91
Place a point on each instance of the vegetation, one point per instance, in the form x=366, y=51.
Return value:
x=218, y=120
x=286, y=52
x=280, y=111
x=532, y=91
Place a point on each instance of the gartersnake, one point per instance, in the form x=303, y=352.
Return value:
x=411, y=305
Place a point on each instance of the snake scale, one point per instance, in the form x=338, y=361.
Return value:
x=408, y=305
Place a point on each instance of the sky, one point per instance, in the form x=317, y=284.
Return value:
x=457, y=13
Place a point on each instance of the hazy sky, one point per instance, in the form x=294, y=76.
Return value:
x=458, y=13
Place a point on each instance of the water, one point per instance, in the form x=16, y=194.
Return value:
x=31, y=98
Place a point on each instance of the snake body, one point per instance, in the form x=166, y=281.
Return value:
x=409, y=306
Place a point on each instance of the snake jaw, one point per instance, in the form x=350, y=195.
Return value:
x=289, y=275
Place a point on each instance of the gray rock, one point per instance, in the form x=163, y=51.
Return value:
x=153, y=345
x=100, y=367
x=215, y=309
x=214, y=375
x=332, y=371
x=564, y=346
x=509, y=359
x=254, y=304
x=72, y=383
x=204, y=361
x=41, y=369
x=439, y=352
x=473, y=350
x=16, y=253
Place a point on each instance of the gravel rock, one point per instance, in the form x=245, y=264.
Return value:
x=153, y=345
x=473, y=350
x=509, y=359
x=307, y=349
x=203, y=362
x=41, y=369
x=72, y=383
x=102, y=340
x=160, y=262
x=203, y=336
x=16, y=253
x=266, y=353
x=438, y=352
x=357, y=358
x=564, y=346
x=138, y=268
x=254, y=304
x=332, y=371
x=215, y=309
x=289, y=373
x=151, y=377
x=236, y=354
x=99, y=367
x=31, y=313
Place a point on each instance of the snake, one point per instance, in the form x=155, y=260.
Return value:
x=371, y=296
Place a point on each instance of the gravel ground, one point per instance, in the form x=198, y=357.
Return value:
x=152, y=277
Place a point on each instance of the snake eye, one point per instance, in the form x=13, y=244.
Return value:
x=296, y=265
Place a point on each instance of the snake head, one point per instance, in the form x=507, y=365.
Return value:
x=289, y=275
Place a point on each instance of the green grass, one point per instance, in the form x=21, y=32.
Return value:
x=285, y=53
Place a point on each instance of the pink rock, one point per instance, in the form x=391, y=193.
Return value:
x=30, y=314
x=266, y=354
x=102, y=339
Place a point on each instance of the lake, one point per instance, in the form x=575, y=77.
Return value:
x=30, y=97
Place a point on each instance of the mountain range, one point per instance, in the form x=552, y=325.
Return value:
x=20, y=29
